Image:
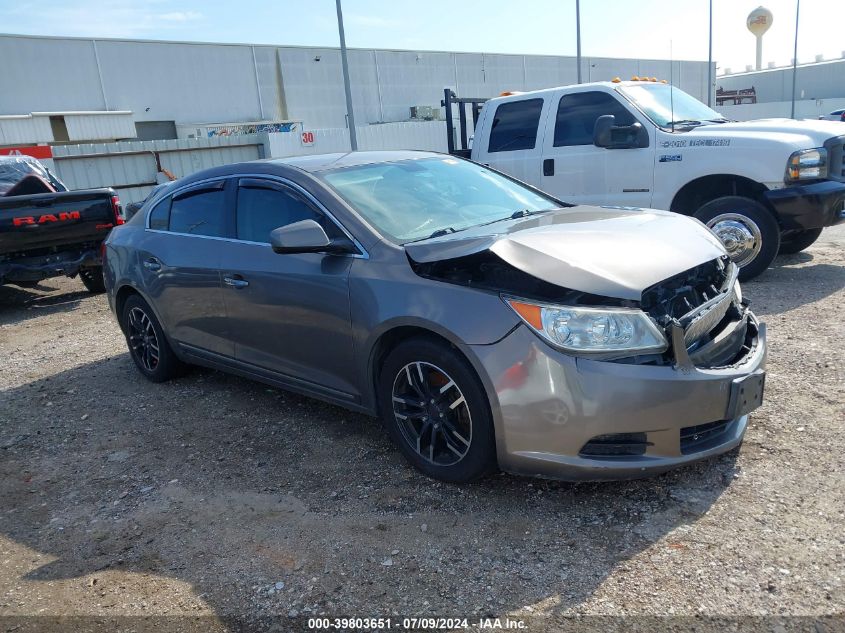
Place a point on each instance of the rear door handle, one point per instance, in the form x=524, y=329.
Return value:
x=549, y=167
x=152, y=264
x=235, y=281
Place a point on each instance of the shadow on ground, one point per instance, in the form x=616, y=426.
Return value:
x=799, y=282
x=233, y=487
x=20, y=304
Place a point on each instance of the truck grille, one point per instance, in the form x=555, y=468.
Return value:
x=699, y=298
x=835, y=158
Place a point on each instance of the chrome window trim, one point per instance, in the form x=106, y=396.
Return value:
x=362, y=254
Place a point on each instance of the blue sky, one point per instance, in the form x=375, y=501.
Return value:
x=610, y=28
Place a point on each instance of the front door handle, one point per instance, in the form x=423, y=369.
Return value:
x=152, y=264
x=235, y=281
x=549, y=167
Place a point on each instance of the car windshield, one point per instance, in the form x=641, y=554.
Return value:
x=415, y=199
x=664, y=104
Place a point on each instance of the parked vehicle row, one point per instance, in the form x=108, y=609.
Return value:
x=488, y=324
x=47, y=231
x=763, y=186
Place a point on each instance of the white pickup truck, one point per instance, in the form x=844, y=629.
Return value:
x=762, y=186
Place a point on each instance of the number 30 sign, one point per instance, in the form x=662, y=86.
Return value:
x=307, y=138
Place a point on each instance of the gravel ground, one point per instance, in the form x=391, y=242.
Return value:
x=214, y=497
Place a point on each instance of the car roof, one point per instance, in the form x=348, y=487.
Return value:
x=322, y=162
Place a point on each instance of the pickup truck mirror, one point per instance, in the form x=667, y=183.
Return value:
x=611, y=136
x=307, y=236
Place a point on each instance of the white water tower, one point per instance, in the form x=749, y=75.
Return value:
x=758, y=22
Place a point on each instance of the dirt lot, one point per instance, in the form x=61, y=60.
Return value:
x=214, y=496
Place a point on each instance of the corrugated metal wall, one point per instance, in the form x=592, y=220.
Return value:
x=131, y=167
x=218, y=83
x=430, y=136
x=825, y=80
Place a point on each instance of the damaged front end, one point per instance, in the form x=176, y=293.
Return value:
x=704, y=316
x=700, y=311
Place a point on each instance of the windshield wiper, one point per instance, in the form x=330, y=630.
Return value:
x=722, y=120
x=441, y=232
x=683, y=122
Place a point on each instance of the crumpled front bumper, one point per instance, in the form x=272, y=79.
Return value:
x=811, y=206
x=547, y=405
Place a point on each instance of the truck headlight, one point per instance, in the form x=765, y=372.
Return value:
x=807, y=164
x=592, y=331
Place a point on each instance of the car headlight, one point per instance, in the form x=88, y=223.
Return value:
x=807, y=164
x=583, y=330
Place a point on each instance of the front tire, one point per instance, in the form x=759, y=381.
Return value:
x=436, y=411
x=93, y=279
x=147, y=344
x=750, y=233
x=797, y=241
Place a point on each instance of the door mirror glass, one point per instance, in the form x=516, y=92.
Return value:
x=306, y=236
x=611, y=136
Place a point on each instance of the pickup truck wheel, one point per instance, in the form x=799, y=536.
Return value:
x=799, y=240
x=147, y=345
x=747, y=229
x=93, y=280
x=436, y=411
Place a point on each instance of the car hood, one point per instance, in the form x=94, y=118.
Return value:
x=609, y=251
x=801, y=134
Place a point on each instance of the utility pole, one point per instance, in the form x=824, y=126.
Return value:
x=350, y=117
x=710, y=60
x=795, y=55
x=577, y=36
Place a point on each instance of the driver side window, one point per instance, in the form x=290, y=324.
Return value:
x=263, y=206
x=577, y=114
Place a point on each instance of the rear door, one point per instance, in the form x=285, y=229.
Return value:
x=290, y=313
x=179, y=260
x=514, y=142
x=577, y=171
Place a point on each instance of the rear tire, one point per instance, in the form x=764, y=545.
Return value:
x=748, y=230
x=436, y=411
x=93, y=279
x=796, y=242
x=147, y=344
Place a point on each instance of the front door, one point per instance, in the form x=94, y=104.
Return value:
x=288, y=313
x=575, y=170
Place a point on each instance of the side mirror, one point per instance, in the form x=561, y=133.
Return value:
x=307, y=236
x=611, y=136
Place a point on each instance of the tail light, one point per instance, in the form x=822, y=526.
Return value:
x=115, y=207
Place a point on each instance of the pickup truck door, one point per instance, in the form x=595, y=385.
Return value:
x=575, y=170
x=513, y=144
x=179, y=258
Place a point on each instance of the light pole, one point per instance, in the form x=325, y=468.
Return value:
x=710, y=60
x=795, y=55
x=577, y=36
x=350, y=117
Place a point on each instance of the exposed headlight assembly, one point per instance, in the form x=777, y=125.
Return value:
x=807, y=164
x=583, y=331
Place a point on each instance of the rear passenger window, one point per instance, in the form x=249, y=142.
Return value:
x=160, y=215
x=200, y=212
x=515, y=125
x=262, y=208
x=577, y=114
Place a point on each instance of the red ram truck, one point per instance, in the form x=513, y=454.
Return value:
x=47, y=231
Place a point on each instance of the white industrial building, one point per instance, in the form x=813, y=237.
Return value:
x=819, y=89
x=62, y=89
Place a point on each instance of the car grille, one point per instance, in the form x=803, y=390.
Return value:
x=702, y=436
x=615, y=445
x=698, y=299
x=836, y=158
